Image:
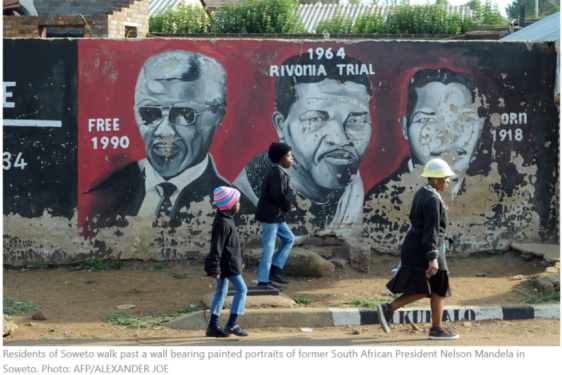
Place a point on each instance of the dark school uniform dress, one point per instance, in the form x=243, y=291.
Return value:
x=424, y=242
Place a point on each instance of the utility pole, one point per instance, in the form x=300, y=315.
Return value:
x=537, y=8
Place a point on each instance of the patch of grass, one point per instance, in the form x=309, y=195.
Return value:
x=339, y=305
x=118, y=264
x=131, y=321
x=160, y=267
x=91, y=264
x=37, y=264
x=254, y=307
x=14, y=306
x=180, y=276
x=494, y=252
x=371, y=303
x=185, y=311
x=303, y=302
x=542, y=296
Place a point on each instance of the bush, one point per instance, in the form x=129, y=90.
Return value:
x=406, y=19
x=339, y=24
x=259, y=17
x=489, y=14
x=283, y=17
x=184, y=19
x=368, y=23
x=425, y=19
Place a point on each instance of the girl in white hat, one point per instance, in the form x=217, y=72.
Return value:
x=423, y=272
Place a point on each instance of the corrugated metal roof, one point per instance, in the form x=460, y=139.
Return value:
x=314, y=13
x=545, y=30
x=157, y=6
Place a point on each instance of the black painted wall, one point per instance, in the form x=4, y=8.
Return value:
x=40, y=163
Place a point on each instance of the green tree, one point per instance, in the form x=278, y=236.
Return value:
x=489, y=14
x=258, y=17
x=368, y=23
x=442, y=2
x=339, y=24
x=546, y=7
x=184, y=19
x=474, y=4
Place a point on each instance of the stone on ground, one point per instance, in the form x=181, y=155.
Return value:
x=339, y=263
x=360, y=258
x=39, y=316
x=527, y=257
x=545, y=285
x=8, y=326
x=324, y=252
x=550, y=252
x=300, y=263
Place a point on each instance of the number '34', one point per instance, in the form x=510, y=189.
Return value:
x=19, y=162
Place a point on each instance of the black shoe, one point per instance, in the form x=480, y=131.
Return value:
x=385, y=316
x=270, y=286
x=217, y=332
x=278, y=278
x=442, y=333
x=278, y=287
x=236, y=330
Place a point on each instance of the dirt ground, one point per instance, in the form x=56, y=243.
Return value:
x=76, y=303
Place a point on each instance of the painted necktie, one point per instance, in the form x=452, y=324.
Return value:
x=165, y=205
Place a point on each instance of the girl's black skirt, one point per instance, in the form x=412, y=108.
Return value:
x=412, y=281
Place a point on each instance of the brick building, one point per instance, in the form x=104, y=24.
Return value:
x=87, y=18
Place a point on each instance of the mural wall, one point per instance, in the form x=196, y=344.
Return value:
x=40, y=106
x=161, y=123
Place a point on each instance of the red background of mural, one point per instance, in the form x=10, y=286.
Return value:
x=108, y=72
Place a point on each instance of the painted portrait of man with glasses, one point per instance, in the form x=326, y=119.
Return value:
x=180, y=102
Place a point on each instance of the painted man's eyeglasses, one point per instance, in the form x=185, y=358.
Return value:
x=152, y=116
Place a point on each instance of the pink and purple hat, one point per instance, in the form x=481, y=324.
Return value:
x=226, y=197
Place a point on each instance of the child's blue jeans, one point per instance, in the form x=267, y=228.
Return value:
x=239, y=300
x=269, y=232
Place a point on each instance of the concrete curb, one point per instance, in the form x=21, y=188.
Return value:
x=330, y=317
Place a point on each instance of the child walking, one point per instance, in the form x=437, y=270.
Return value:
x=270, y=212
x=423, y=272
x=224, y=263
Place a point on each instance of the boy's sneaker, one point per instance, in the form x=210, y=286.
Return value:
x=217, y=332
x=385, y=316
x=236, y=330
x=442, y=333
x=278, y=278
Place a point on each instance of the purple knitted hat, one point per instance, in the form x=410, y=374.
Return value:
x=226, y=197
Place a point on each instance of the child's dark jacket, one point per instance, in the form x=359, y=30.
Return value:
x=225, y=257
x=274, y=202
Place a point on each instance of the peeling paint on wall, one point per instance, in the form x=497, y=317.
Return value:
x=155, y=125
